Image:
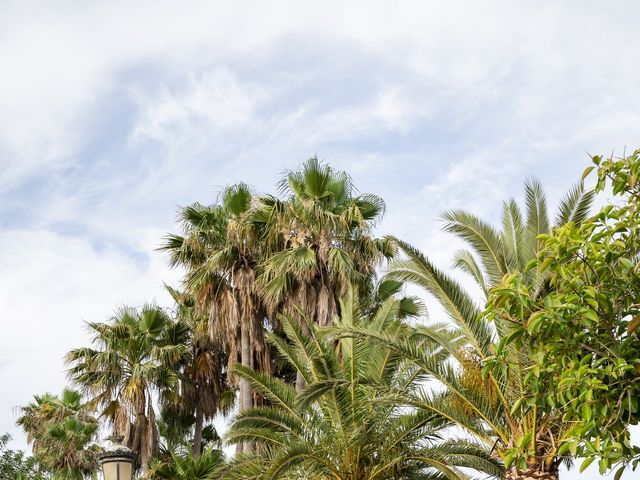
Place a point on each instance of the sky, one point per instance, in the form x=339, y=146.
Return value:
x=113, y=114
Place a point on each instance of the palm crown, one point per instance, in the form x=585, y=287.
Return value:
x=338, y=426
x=133, y=357
x=488, y=403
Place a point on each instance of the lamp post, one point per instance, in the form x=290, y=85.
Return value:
x=117, y=461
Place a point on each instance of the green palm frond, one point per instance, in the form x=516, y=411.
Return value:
x=575, y=205
x=462, y=310
x=482, y=237
x=514, y=234
x=236, y=199
x=465, y=261
x=537, y=216
x=345, y=419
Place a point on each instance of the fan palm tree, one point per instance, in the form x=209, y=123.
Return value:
x=320, y=243
x=323, y=242
x=132, y=359
x=220, y=252
x=338, y=427
x=488, y=403
x=60, y=430
x=204, y=391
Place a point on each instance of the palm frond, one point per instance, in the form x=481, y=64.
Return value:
x=482, y=237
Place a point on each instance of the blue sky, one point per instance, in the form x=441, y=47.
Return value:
x=113, y=113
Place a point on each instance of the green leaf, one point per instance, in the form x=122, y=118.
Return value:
x=587, y=171
x=535, y=322
x=517, y=405
x=619, y=473
x=586, y=464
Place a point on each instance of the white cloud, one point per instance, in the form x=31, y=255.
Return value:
x=214, y=103
x=155, y=104
x=51, y=284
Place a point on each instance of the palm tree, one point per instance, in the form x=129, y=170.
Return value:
x=61, y=430
x=496, y=253
x=487, y=401
x=338, y=427
x=221, y=252
x=204, y=391
x=186, y=466
x=132, y=359
x=321, y=243
x=322, y=238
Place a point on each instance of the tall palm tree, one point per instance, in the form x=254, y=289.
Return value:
x=321, y=243
x=221, y=252
x=486, y=401
x=61, y=429
x=204, y=391
x=338, y=427
x=132, y=359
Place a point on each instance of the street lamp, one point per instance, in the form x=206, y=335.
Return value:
x=117, y=461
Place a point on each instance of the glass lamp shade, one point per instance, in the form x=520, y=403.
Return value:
x=117, y=464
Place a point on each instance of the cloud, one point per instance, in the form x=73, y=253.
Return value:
x=213, y=103
x=113, y=113
x=51, y=284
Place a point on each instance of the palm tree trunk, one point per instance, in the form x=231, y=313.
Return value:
x=299, y=379
x=246, y=393
x=534, y=472
x=140, y=440
x=197, y=434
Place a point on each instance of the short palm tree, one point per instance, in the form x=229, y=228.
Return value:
x=488, y=405
x=203, y=388
x=186, y=466
x=132, y=359
x=61, y=429
x=338, y=427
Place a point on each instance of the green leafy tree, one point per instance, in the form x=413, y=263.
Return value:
x=133, y=357
x=61, y=430
x=338, y=427
x=15, y=465
x=584, y=329
x=321, y=242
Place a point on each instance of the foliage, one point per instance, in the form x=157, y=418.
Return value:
x=487, y=404
x=61, y=430
x=202, y=391
x=15, y=465
x=135, y=355
x=339, y=426
x=320, y=242
x=220, y=251
x=175, y=465
x=584, y=328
